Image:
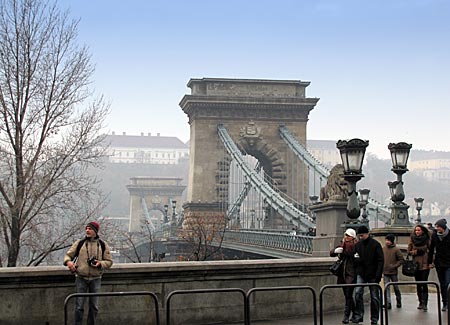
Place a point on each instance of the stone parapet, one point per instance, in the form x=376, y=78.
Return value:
x=36, y=295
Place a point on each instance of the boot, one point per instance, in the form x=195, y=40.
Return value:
x=425, y=302
x=399, y=302
x=347, y=311
x=420, y=301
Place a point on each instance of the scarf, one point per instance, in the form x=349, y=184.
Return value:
x=419, y=240
x=441, y=236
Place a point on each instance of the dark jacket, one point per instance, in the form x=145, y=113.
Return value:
x=393, y=258
x=440, y=250
x=348, y=274
x=420, y=254
x=370, y=262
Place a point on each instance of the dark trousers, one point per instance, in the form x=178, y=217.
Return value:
x=392, y=278
x=87, y=286
x=349, y=302
x=422, y=289
x=443, y=274
x=375, y=300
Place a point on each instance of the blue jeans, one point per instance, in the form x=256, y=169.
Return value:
x=374, y=301
x=86, y=286
x=392, y=278
x=443, y=274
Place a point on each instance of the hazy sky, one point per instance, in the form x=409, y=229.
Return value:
x=380, y=68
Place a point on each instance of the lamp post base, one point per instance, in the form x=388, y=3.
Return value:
x=399, y=215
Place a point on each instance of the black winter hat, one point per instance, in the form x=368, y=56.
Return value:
x=390, y=237
x=441, y=223
x=362, y=230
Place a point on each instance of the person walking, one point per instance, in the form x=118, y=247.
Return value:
x=88, y=258
x=393, y=258
x=418, y=248
x=346, y=251
x=440, y=251
x=369, y=261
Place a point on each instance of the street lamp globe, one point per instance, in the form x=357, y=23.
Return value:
x=399, y=155
x=352, y=154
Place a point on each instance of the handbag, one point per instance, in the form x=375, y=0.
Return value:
x=336, y=267
x=409, y=267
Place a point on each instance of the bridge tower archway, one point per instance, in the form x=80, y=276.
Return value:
x=251, y=111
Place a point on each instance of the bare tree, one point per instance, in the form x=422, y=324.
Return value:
x=49, y=129
x=204, y=235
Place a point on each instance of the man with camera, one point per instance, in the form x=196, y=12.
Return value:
x=88, y=258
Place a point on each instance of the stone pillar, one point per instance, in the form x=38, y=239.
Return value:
x=330, y=225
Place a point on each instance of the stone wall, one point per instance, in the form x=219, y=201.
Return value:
x=36, y=295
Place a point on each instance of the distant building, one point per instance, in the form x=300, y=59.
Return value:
x=432, y=169
x=146, y=149
x=324, y=151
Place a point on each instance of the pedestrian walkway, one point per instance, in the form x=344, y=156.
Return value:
x=407, y=315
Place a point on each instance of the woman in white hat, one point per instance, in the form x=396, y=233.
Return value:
x=345, y=251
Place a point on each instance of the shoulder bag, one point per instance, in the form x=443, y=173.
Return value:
x=336, y=267
x=409, y=267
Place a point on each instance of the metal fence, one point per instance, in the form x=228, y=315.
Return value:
x=246, y=302
x=109, y=294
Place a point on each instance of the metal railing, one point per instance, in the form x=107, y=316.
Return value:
x=185, y=292
x=251, y=291
x=386, y=314
x=109, y=294
x=282, y=241
x=330, y=286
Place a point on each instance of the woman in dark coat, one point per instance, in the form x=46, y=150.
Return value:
x=346, y=251
x=418, y=247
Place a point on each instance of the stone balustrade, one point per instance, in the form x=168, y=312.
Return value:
x=35, y=295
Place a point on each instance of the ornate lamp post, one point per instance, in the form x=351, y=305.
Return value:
x=314, y=200
x=399, y=209
x=166, y=210
x=174, y=214
x=419, y=205
x=364, y=199
x=252, y=216
x=352, y=156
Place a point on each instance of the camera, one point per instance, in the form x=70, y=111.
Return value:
x=92, y=261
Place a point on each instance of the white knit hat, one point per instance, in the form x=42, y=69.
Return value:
x=351, y=232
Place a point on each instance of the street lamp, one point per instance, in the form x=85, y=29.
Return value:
x=166, y=210
x=399, y=209
x=364, y=194
x=174, y=214
x=419, y=205
x=314, y=200
x=252, y=216
x=352, y=156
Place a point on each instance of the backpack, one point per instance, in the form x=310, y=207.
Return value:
x=81, y=243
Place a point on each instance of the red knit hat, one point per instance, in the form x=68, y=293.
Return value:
x=94, y=225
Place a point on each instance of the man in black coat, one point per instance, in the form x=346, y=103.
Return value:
x=369, y=260
x=440, y=250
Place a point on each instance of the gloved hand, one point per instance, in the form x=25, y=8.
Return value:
x=338, y=250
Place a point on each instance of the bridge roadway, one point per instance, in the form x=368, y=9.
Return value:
x=407, y=315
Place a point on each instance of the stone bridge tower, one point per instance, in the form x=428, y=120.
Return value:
x=252, y=111
x=152, y=193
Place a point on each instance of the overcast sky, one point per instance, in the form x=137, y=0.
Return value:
x=380, y=68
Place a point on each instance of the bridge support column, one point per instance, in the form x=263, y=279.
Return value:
x=330, y=226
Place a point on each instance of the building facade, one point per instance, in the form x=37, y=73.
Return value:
x=146, y=149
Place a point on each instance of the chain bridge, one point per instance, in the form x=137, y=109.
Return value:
x=249, y=163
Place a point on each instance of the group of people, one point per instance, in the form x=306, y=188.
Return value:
x=367, y=261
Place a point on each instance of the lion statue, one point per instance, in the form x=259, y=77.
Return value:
x=336, y=188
